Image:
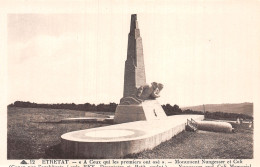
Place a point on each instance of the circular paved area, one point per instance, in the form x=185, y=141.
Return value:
x=103, y=135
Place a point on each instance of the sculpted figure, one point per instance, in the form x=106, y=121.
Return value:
x=149, y=91
x=143, y=93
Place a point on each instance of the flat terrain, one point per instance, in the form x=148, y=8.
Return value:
x=239, y=108
x=205, y=145
x=34, y=133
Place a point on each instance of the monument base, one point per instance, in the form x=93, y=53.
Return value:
x=117, y=141
x=147, y=110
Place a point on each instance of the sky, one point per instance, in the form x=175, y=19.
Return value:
x=203, y=53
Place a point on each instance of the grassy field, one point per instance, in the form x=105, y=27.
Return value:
x=205, y=145
x=32, y=132
x=35, y=133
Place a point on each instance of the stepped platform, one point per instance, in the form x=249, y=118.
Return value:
x=116, y=141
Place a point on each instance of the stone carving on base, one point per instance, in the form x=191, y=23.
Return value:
x=145, y=92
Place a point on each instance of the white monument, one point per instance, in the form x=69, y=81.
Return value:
x=139, y=100
x=141, y=121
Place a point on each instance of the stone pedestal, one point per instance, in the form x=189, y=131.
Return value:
x=147, y=110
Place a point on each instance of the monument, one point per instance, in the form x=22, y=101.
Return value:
x=139, y=99
x=141, y=123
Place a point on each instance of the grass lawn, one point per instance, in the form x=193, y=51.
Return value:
x=34, y=133
x=205, y=145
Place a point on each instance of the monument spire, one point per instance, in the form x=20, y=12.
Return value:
x=134, y=65
x=139, y=100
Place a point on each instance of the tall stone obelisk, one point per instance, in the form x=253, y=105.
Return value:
x=139, y=99
x=134, y=64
